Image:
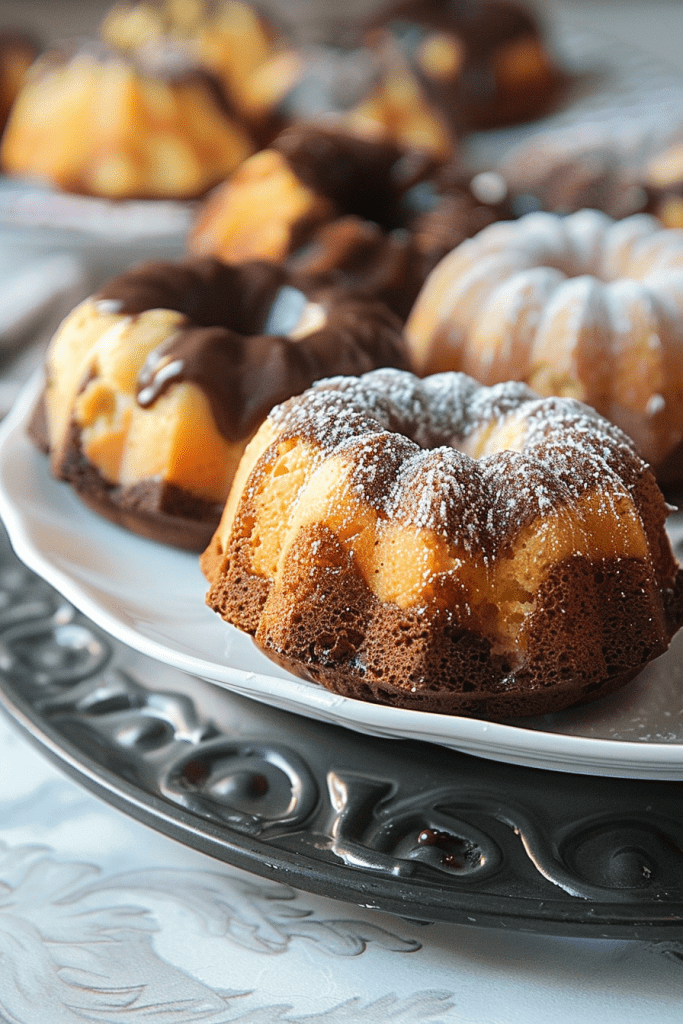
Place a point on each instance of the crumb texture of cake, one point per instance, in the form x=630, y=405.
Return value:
x=95, y=121
x=581, y=306
x=438, y=545
x=366, y=214
x=155, y=384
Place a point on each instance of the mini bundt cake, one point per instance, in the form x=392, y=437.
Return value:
x=481, y=63
x=299, y=85
x=443, y=546
x=229, y=38
x=156, y=383
x=580, y=306
x=372, y=215
x=418, y=73
x=93, y=121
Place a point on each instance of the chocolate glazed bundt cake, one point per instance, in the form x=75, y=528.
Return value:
x=418, y=73
x=443, y=546
x=156, y=383
x=365, y=213
x=480, y=63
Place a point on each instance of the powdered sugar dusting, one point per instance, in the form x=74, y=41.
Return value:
x=406, y=439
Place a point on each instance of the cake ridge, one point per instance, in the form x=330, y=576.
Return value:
x=512, y=560
x=580, y=306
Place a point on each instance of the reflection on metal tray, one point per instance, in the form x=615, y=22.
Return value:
x=400, y=826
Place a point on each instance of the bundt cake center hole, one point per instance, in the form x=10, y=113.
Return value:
x=285, y=310
x=292, y=314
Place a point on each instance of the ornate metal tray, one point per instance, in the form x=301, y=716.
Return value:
x=401, y=826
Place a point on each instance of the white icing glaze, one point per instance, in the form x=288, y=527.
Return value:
x=581, y=305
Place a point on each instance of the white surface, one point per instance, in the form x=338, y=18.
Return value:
x=105, y=236
x=152, y=598
x=655, y=26
x=31, y=292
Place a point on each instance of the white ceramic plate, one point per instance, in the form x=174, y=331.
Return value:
x=152, y=598
x=104, y=235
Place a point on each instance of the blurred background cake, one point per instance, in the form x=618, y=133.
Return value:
x=93, y=120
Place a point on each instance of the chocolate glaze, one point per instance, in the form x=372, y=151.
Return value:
x=358, y=253
x=206, y=291
x=482, y=26
x=452, y=213
x=368, y=178
x=397, y=212
x=222, y=349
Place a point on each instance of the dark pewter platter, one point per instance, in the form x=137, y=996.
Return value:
x=401, y=826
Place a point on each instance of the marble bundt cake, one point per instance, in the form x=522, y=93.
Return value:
x=482, y=63
x=94, y=121
x=442, y=546
x=581, y=306
x=155, y=384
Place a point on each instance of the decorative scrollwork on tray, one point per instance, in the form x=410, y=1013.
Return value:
x=404, y=813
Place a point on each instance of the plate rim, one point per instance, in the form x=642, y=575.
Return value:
x=493, y=740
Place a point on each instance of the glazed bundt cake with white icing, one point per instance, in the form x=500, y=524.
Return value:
x=443, y=546
x=581, y=306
